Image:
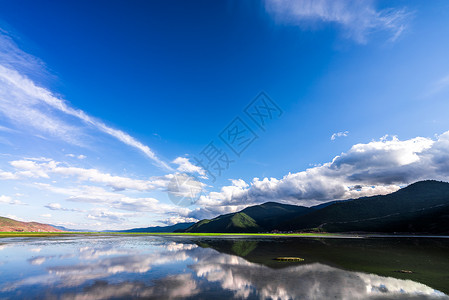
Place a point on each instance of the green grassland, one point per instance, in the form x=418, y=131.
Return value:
x=49, y=234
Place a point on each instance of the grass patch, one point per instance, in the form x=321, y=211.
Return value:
x=289, y=258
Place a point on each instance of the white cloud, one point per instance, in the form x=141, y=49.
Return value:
x=54, y=206
x=357, y=18
x=99, y=196
x=46, y=215
x=58, y=206
x=339, y=134
x=178, y=219
x=122, y=202
x=43, y=169
x=76, y=156
x=84, y=193
x=109, y=216
x=378, y=167
x=26, y=103
x=9, y=200
x=8, y=175
x=184, y=165
x=31, y=168
x=14, y=217
x=37, y=261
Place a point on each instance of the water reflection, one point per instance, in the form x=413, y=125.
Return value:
x=170, y=268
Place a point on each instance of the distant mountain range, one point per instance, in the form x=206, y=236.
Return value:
x=422, y=207
x=10, y=225
x=69, y=229
x=171, y=228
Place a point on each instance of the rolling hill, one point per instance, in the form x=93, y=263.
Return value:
x=171, y=228
x=422, y=207
x=259, y=218
x=10, y=225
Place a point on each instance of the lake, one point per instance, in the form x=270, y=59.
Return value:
x=169, y=267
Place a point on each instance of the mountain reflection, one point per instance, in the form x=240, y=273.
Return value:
x=163, y=268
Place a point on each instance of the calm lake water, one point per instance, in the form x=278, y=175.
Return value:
x=128, y=267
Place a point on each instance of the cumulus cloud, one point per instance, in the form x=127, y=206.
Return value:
x=339, y=134
x=46, y=168
x=8, y=175
x=27, y=104
x=357, y=19
x=178, y=219
x=184, y=165
x=122, y=202
x=9, y=200
x=54, y=206
x=99, y=196
x=377, y=167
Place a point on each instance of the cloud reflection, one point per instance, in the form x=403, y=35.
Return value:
x=310, y=281
x=128, y=270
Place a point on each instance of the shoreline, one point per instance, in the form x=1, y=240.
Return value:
x=223, y=235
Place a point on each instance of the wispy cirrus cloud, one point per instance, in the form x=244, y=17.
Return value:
x=438, y=86
x=109, y=216
x=27, y=104
x=58, y=206
x=29, y=168
x=6, y=129
x=357, y=19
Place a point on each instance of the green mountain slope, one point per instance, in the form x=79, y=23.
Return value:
x=237, y=222
x=259, y=218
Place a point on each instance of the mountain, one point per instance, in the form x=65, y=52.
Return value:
x=422, y=207
x=171, y=228
x=69, y=229
x=258, y=218
x=10, y=225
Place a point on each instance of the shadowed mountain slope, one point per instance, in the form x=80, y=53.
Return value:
x=422, y=207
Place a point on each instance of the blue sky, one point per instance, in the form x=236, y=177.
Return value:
x=103, y=104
